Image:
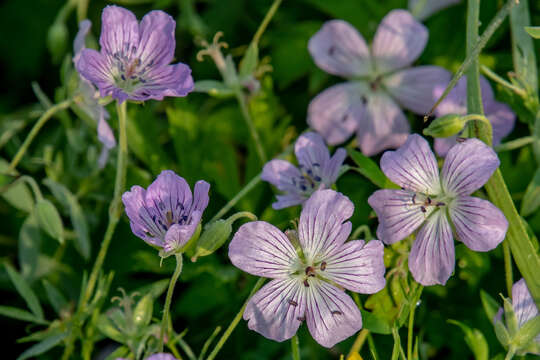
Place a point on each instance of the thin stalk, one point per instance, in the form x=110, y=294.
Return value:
x=82, y=9
x=251, y=126
x=495, y=77
x=514, y=144
x=295, y=347
x=35, y=130
x=208, y=342
x=235, y=321
x=372, y=347
x=172, y=283
x=359, y=342
x=249, y=186
x=269, y=15
x=509, y=277
x=412, y=309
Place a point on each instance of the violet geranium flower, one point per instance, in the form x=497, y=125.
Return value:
x=500, y=115
x=432, y=203
x=379, y=79
x=309, y=270
x=166, y=215
x=316, y=169
x=134, y=59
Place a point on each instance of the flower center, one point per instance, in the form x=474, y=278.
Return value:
x=157, y=223
x=426, y=203
x=313, y=271
x=128, y=70
x=309, y=179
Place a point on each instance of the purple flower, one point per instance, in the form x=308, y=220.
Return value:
x=380, y=78
x=134, y=59
x=309, y=269
x=88, y=101
x=499, y=114
x=166, y=215
x=315, y=170
x=422, y=9
x=435, y=205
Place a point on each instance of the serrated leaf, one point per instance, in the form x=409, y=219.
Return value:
x=25, y=291
x=531, y=199
x=475, y=340
x=369, y=169
x=213, y=88
x=56, y=299
x=21, y=314
x=248, y=64
x=534, y=31
x=49, y=219
x=43, y=346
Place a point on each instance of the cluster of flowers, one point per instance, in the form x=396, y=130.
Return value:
x=311, y=266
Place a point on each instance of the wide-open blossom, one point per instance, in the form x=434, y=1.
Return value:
x=500, y=115
x=166, y=214
x=134, y=59
x=316, y=169
x=309, y=269
x=380, y=80
x=422, y=9
x=437, y=204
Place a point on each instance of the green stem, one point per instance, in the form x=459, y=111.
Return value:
x=412, y=309
x=269, y=15
x=514, y=144
x=508, y=268
x=242, y=214
x=165, y=320
x=358, y=343
x=82, y=9
x=35, y=130
x=235, y=321
x=295, y=347
x=249, y=186
x=493, y=76
x=251, y=126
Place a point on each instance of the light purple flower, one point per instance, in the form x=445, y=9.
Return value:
x=316, y=170
x=380, y=81
x=433, y=204
x=422, y=9
x=134, y=59
x=500, y=115
x=166, y=215
x=309, y=269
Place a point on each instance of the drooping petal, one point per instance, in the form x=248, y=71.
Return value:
x=157, y=42
x=94, y=67
x=335, y=113
x=468, y=166
x=169, y=80
x=288, y=200
x=277, y=310
x=119, y=30
x=478, y=223
x=382, y=125
x=413, y=166
x=429, y=7
x=523, y=303
x=339, y=49
x=261, y=249
x=334, y=166
x=311, y=150
x=331, y=314
x=414, y=88
x=322, y=228
x=398, y=215
x=502, y=119
x=398, y=42
x=168, y=197
x=280, y=174
x=432, y=257
x=357, y=266
x=80, y=38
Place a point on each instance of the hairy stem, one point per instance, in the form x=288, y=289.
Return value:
x=172, y=283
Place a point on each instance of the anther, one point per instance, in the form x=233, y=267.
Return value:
x=440, y=203
x=306, y=284
x=413, y=199
x=423, y=209
x=301, y=318
x=428, y=200
x=292, y=302
x=336, y=312
x=323, y=265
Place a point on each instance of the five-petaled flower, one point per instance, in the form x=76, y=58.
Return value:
x=436, y=204
x=167, y=214
x=378, y=78
x=315, y=170
x=134, y=59
x=499, y=114
x=309, y=267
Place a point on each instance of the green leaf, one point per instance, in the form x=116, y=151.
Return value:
x=49, y=219
x=56, y=299
x=374, y=323
x=248, y=64
x=120, y=352
x=475, y=340
x=43, y=346
x=143, y=311
x=491, y=306
x=25, y=291
x=213, y=88
x=534, y=31
x=21, y=314
x=17, y=195
x=370, y=169
x=29, y=247
x=531, y=199
x=107, y=328
x=527, y=332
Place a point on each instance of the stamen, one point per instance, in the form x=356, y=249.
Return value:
x=301, y=318
x=292, y=302
x=423, y=209
x=440, y=203
x=306, y=284
x=169, y=218
x=323, y=265
x=336, y=312
x=413, y=199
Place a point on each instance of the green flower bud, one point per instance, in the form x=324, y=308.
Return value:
x=213, y=237
x=143, y=311
x=57, y=40
x=445, y=126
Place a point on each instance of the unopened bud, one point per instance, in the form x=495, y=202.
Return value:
x=57, y=40
x=213, y=237
x=445, y=126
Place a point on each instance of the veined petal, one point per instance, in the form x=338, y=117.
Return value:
x=432, y=257
x=280, y=174
x=443, y=145
x=261, y=249
x=80, y=38
x=357, y=266
x=336, y=112
x=331, y=314
x=339, y=49
x=456, y=100
x=429, y=7
x=157, y=42
x=178, y=235
x=119, y=30
x=414, y=88
x=288, y=200
x=502, y=119
x=413, y=166
x=398, y=215
x=310, y=149
x=94, y=67
x=467, y=167
x=277, y=310
x=169, y=80
x=399, y=41
x=333, y=167
x=140, y=218
x=321, y=228
x=478, y=223
x=200, y=196
x=382, y=125
x=105, y=134
x=523, y=303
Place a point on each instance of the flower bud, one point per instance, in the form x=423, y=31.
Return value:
x=143, y=311
x=49, y=219
x=57, y=40
x=445, y=126
x=213, y=237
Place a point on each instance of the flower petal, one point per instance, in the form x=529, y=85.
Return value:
x=399, y=41
x=414, y=88
x=467, y=167
x=478, y=223
x=105, y=134
x=413, y=166
x=169, y=80
x=429, y=7
x=80, y=38
x=357, y=266
x=178, y=235
x=92, y=66
x=288, y=200
x=398, y=216
x=168, y=197
x=277, y=310
x=310, y=149
x=157, y=42
x=339, y=49
x=161, y=356
x=331, y=314
x=200, y=196
x=119, y=30
x=523, y=303
x=281, y=173
x=261, y=249
x=321, y=228
x=140, y=219
x=502, y=120
x=456, y=100
x=443, y=145
x=432, y=257
x=336, y=112
x=333, y=167
x=382, y=126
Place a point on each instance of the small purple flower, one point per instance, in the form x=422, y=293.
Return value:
x=380, y=78
x=436, y=204
x=500, y=115
x=166, y=215
x=134, y=59
x=422, y=9
x=309, y=269
x=315, y=170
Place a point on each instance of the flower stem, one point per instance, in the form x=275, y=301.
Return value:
x=295, y=348
x=235, y=321
x=514, y=144
x=35, y=130
x=268, y=17
x=412, y=309
x=359, y=342
x=165, y=320
x=508, y=268
x=251, y=126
